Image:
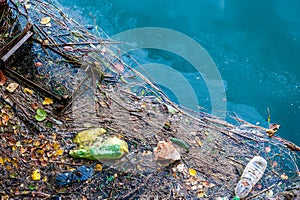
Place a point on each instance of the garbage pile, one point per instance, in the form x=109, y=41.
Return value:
x=108, y=140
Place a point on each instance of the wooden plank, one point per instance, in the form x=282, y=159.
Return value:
x=17, y=46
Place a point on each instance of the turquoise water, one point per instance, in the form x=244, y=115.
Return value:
x=255, y=44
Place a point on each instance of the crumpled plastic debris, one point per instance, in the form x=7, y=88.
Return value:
x=166, y=152
x=83, y=173
x=94, y=145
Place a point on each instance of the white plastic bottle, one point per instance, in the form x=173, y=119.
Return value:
x=251, y=175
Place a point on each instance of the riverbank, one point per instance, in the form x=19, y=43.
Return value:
x=105, y=92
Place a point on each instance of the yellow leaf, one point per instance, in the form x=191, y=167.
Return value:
x=1, y=161
x=18, y=144
x=28, y=91
x=192, y=172
x=36, y=175
x=56, y=145
x=22, y=150
x=15, y=163
x=45, y=179
x=40, y=151
x=201, y=194
x=47, y=101
x=98, y=167
x=37, y=143
x=45, y=20
x=59, y=152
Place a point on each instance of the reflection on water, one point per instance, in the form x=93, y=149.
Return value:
x=256, y=45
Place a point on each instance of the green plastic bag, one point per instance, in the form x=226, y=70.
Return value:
x=94, y=145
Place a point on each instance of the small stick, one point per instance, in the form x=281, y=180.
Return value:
x=261, y=192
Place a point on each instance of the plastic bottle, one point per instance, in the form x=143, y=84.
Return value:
x=251, y=175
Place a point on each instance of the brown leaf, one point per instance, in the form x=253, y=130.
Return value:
x=166, y=151
x=5, y=118
x=3, y=78
x=273, y=128
x=34, y=106
x=208, y=184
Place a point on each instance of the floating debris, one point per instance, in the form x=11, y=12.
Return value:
x=252, y=174
x=12, y=87
x=94, y=146
x=83, y=173
x=165, y=153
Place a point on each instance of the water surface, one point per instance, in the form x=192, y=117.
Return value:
x=255, y=44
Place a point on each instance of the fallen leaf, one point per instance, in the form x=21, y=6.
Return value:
x=28, y=91
x=38, y=64
x=40, y=151
x=36, y=143
x=1, y=161
x=36, y=175
x=47, y=101
x=208, y=184
x=15, y=163
x=12, y=87
x=201, y=194
x=56, y=145
x=45, y=42
x=284, y=177
x=40, y=115
x=45, y=20
x=44, y=163
x=34, y=106
x=22, y=150
x=98, y=167
x=59, y=152
x=166, y=151
x=5, y=118
x=192, y=172
x=45, y=179
x=273, y=128
x=3, y=78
